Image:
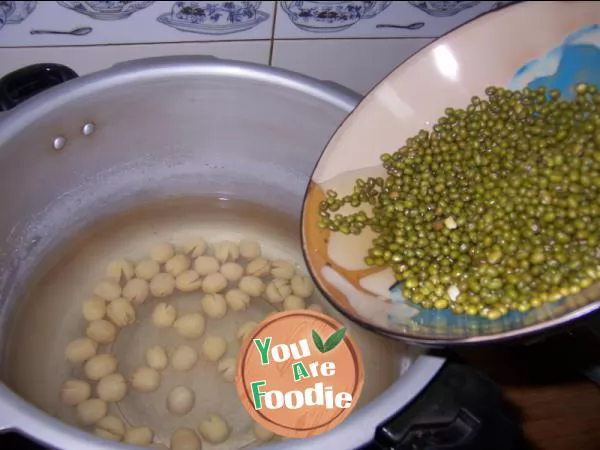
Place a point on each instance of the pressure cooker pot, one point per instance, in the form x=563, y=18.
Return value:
x=157, y=152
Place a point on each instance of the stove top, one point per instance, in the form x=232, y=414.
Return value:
x=14, y=441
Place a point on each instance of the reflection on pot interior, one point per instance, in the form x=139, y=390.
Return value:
x=152, y=302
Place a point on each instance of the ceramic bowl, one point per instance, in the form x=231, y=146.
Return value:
x=216, y=18
x=2, y=18
x=443, y=9
x=6, y=10
x=556, y=44
x=377, y=8
x=106, y=10
x=20, y=12
x=326, y=17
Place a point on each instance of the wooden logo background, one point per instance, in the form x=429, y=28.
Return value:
x=289, y=328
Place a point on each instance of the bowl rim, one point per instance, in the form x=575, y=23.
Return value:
x=437, y=341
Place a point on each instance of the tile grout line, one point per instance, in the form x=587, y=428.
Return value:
x=272, y=47
x=220, y=41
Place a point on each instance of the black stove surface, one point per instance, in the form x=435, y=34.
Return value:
x=14, y=441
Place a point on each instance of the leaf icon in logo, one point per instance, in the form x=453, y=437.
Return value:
x=331, y=342
x=318, y=341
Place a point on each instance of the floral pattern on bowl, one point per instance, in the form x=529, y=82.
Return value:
x=2, y=17
x=106, y=10
x=6, y=9
x=20, y=11
x=377, y=8
x=443, y=9
x=326, y=17
x=454, y=69
x=214, y=17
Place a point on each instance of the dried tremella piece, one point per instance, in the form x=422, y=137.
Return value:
x=302, y=286
x=145, y=379
x=188, y=281
x=162, y=285
x=232, y=271
x=147, y=269
x=185, y=439
x=214, y=429
x=99, y=366
x=164, y=315
x=258, y=267
x=108, y=290
x=184, y=358
x=110, y=427
x=214, y=283
x=178, y=264
x=205, y=265
x=237, y=299
x=277, y=290
x=226, y=251
x=101, y=331
x=136, y=291
x=293, y=302
x=94, y=308
x=245, y=329
x=156, y=357
x=74, y=391
x=120, y=270
x=112, y=388
x=214, y=306
x=249, y=249
x=252, y=285
x=226, y=368
x=214, y=347
x=195, y=247
x=80, y=350
x=91, y=411
x=282, y=269
x=121, y=312
x=140, y=436
x=190, y=325
x=180, y=400
x=162, y=252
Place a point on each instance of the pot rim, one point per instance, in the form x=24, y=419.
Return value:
x=146, y=69
x=16, y=414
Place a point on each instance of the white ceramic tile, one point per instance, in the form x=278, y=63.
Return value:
x=152, y=23
x=89, y=59
x=355, y=19
x=355, y=63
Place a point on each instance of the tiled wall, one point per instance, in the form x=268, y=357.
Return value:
x=355, y=43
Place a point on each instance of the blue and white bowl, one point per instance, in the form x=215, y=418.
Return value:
x=326, y=17
x=377, y=8
x=2, y=18
x=216, y=18
x=447, y=73
x=106, y=10
x=443, y=9
x=20, y=12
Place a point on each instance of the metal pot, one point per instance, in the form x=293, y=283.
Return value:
x=148, y=130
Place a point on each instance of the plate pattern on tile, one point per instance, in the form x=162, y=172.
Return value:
x=366, y=19
x=106, y=10
x=14, y=12
x=216, y=18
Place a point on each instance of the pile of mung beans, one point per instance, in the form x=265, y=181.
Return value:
x=496, y=209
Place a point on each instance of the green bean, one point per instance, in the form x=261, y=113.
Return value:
x=499, y=200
